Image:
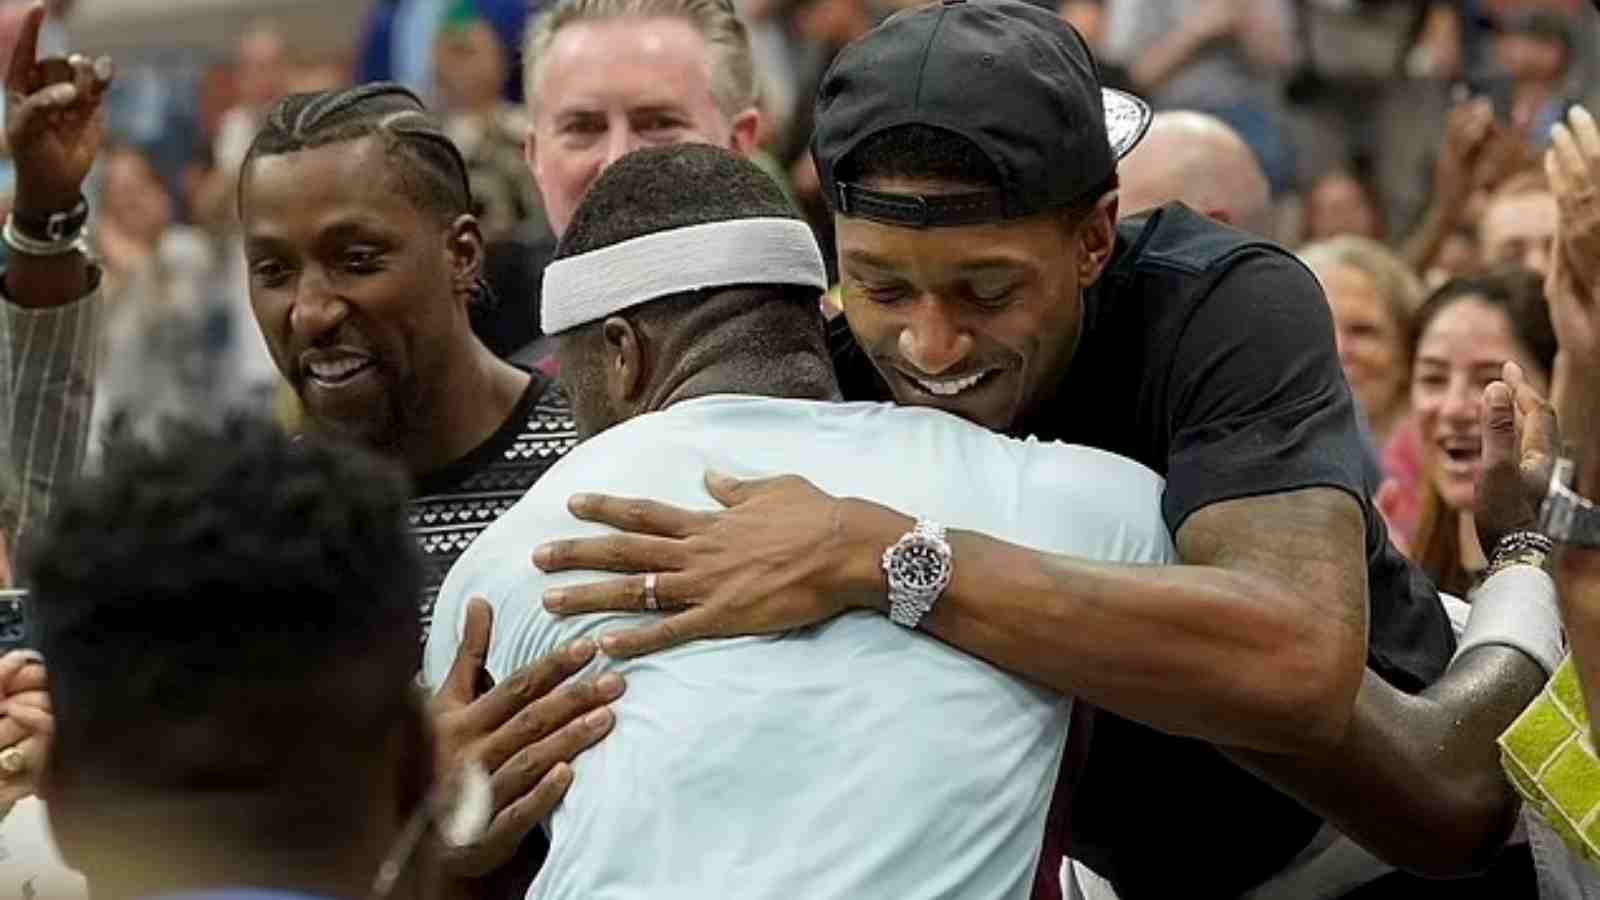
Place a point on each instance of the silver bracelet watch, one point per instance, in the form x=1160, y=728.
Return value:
x=919, y=566
x=1565, y=516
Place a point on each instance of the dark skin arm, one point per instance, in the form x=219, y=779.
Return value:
x=1432, y=757
x=1222, y=648
x=1199, y=649
x=54, y=127
x=1429, y=758
x=1403, y=758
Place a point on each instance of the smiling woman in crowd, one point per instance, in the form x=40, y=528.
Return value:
x=1465, y=332
x=1373, y=297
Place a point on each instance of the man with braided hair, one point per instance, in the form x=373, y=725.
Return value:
x=364, y=262
x=684, y=301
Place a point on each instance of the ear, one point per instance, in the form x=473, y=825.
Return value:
x=625, y=363
x=530, y=152
x=465, y=246
x=746, y=128
x=1098, y=234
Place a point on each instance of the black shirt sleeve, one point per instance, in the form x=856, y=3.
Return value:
x=1258, y=402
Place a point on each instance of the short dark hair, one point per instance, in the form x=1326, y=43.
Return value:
x=430, y=166
x=926, y=151
x=1517, y=292
x=229, y=611
x=773, y=330
x=662, y=188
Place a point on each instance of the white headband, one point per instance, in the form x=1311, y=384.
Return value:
x=590, y=286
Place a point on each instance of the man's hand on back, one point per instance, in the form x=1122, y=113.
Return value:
x=525, y=731
x=770, y=562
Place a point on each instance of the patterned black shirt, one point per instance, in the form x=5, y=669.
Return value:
x=455, y=504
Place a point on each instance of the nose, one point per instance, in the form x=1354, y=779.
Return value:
x=621, y=141
x=932, y=341
x=1461, y=402
x=317, y=309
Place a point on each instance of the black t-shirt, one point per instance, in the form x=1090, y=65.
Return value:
x=1208, y=355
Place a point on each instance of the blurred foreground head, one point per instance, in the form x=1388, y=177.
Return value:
x=232, y=632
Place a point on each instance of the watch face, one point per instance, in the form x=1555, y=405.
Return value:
x=920, y=567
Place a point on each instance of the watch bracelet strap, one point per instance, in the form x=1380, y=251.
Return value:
x=63, y=225
x=1529, y=548
x=23, y=244
x=1567, y=516
x=905, y=611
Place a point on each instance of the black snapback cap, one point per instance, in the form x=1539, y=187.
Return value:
x=1011, y=77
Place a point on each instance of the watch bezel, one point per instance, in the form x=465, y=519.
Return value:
x=926, y=535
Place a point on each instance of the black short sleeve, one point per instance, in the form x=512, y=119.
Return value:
x=1258, y=402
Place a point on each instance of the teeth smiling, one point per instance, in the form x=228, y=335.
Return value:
x=950, y=388
x=336, y=369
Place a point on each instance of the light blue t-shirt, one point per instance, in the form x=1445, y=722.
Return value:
x=855, y=759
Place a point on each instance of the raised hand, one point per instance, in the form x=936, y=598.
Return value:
x=54, y=122
x=1519, y=449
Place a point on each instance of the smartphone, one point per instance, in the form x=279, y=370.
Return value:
x=13, y=619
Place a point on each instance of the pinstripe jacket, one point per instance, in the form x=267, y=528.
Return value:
x=47, y=362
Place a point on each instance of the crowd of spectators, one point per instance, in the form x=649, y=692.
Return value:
x=1396, y=147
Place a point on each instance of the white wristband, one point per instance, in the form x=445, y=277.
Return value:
x=1516, y=607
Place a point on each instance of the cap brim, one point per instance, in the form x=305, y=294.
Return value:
x=1127, y=120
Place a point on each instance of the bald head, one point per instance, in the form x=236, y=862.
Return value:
x=1199, y=161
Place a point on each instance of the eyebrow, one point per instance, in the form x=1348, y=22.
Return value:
x=584, y=111
x=344, y=230
x=352, y=229
x=656, y=109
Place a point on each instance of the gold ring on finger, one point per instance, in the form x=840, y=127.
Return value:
x=13, y=761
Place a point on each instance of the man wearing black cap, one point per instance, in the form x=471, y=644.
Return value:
x=970, y=157
x=684, y=299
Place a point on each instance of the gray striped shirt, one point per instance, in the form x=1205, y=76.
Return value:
x=47, y=362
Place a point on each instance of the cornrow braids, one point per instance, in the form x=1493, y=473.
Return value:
x=429, y=164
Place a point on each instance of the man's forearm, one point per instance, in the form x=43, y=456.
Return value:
x=1429, y=758
x=1224, y=654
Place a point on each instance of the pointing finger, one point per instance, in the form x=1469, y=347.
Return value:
x=26, y=53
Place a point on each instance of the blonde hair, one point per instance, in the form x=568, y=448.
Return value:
x=1401, y=290
x=733, y=77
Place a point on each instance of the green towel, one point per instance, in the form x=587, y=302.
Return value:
x=1550, y=758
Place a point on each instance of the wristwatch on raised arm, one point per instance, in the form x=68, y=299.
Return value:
x=1566, y=517
x=919, y=566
